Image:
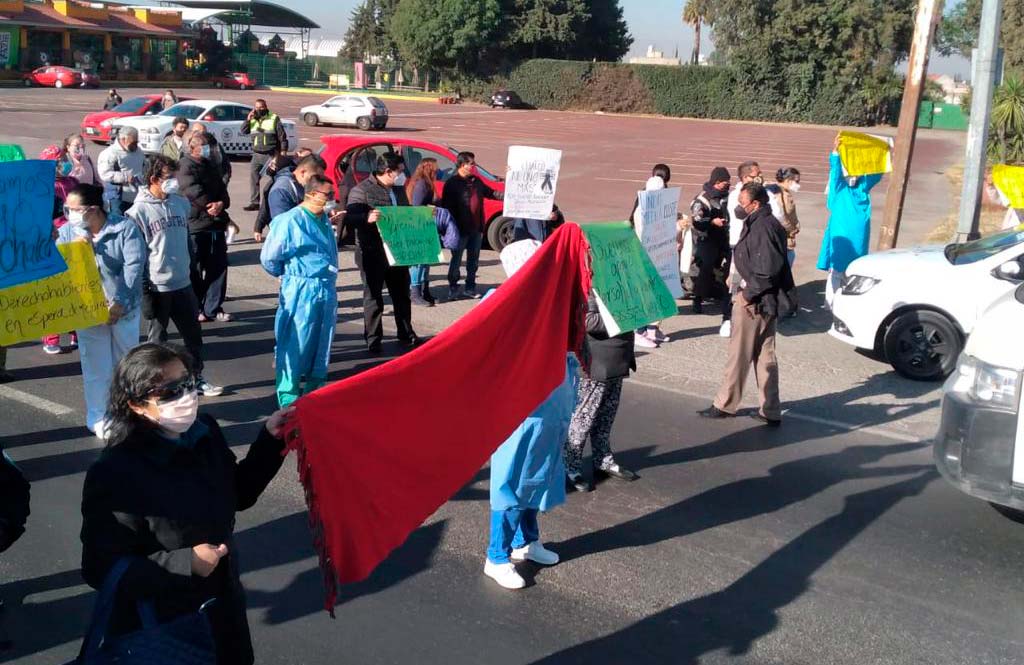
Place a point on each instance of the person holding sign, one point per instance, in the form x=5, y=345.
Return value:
x=383, y=188
x=300, y=249
x=121, y=259
x=849, y=226
x=765, y=279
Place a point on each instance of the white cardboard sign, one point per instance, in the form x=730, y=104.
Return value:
x=656, y=228
x=530, y=182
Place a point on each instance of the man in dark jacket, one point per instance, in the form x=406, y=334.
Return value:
x=463, y=197
x=766, y=282
x=382, y=188
x=610, y=361
x=201, y=183
x=711, y=236
x=269, y=139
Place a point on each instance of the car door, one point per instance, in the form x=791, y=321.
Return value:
x=356, y=109
x=357, y=164
x=332, y=111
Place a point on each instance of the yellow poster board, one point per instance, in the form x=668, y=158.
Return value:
x=1010, y=181
x=67, y=301
x=863, y=154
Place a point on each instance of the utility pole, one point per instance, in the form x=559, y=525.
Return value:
x=986, y=66
x=928, y=14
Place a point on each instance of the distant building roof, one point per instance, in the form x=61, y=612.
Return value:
x=103, y=18
x=326, y=46
x=255, y=12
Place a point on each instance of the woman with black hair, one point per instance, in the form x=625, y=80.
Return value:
x=785, y=208
x=165, y=492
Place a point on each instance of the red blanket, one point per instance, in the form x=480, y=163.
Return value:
x=379, y=452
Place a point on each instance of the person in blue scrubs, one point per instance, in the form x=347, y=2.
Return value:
x=849, y=226
x=301, y=249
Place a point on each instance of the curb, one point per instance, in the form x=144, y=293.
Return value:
x=330, y=91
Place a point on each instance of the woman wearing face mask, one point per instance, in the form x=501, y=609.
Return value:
x=165, y=492
x=82, y=167
x=63, y=183
x=785, y=208
x=120, y=257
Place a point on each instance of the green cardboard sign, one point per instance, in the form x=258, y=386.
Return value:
x=410, y=235
x=11, y=152
x=630, y=292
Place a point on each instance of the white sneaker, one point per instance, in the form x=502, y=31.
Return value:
x=537, y=553
x=643, y=342
x=207, y=389
x=726, y=329
x=504, y=574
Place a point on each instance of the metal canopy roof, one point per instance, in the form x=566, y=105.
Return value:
x=254, y=12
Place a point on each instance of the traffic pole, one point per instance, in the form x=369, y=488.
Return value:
x=984, y=71
x=928, y=14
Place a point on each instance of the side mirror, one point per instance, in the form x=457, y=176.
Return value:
x=1010, y=271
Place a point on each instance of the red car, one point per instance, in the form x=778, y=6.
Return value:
x=237, y=80
x=351, y=159
x=96, y=126
x=56, y=76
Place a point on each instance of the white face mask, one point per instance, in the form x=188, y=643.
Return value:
x=169, y=186
x=794, y=187
x=400, y=180
x=177, y=416
x=76, y=218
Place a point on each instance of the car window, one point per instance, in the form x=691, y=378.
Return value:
x=414, y=155
x=376, y=103
x=222, y=113
x=133, y=105
x=978, y=250
x=190, y=111
x=335, y=101
x=240, y=113
x=366, y=159
x=355, y=102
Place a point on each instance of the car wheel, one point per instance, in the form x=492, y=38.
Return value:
x=218, y=84
x=363, y=123
x=499, y=233
x=922, y=345
x=242, y=86
x=58, y=84
x=311, y=119
x=28, y=83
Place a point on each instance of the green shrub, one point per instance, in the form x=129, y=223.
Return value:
x=550, y=84
x=614, y=89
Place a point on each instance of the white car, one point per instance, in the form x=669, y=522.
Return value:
x=916, y=306
x=363, y=111
x=222, y=119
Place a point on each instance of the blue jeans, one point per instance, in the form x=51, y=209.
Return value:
x=419, y=275
x=471, y=244
x=511, y=529
x=791, y=256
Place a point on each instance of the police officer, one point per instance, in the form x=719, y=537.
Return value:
x=268, y=139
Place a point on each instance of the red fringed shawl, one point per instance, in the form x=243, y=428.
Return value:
x=379, y=452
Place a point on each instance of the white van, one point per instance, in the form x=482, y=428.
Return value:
x=980, y=444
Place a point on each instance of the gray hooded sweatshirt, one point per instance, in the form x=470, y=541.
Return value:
x=121, y=170
x=164, y=224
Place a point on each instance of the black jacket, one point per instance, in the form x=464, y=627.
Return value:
x=151, y=498
x=14, y=501
x=760, y=260
x=202, y=183
x=363, y=198
x=704, y=211
x=608, y=357
x=456, y=198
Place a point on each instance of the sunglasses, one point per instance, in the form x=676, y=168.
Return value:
x=174, y=390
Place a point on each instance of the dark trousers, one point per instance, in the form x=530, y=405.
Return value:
x=210, y=270
x=259, y=159
x=376, y=274
x=263, y=216
x=182, y=308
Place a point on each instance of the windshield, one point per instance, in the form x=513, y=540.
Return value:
x=484, y=172
x=376, y=102
x=186, y=110
x=133, y=105
x=977, y=250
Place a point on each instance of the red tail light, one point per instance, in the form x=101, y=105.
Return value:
x=208, y=117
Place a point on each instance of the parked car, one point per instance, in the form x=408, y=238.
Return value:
x=979, y=447
x=90, y=79
x=508, y=99
x=351, y=159
x=222, y=119
x=236, y=80
x=915, y=307
x=96, y=126
x=54, y=76
x=363, y=111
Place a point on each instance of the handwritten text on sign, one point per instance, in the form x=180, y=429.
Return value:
x=865, y=154
x=530, y=182
x=27, y=249
x=630, y=292
x=410, y=235
x=656, y=228
x=68, y=301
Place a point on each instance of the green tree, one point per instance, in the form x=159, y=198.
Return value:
x=605, y=36
x=695, y=14
x=467, y=26
x=545, y=28
x=1006, y=142
x=369, y=32
x=958, y=32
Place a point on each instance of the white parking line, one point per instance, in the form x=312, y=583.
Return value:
x=34, y=401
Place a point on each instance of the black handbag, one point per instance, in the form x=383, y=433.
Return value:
x=187, y=640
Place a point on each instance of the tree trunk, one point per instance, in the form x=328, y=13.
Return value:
x=695, y=57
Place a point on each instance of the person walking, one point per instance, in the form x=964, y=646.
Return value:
x=201, y=184
x=760, y=260
x=301, y=250
x=120, y=252
x=749, y=171
x=788, y=180
x=268, y=140
x=163, y=498
x=421, y=190
x=120, y=167
x=174, y=145
x=609, y=360
x=82, y=167
x=849, y=224
x=161, y=213
x=711, y=232
x=383, y=188
x=113, y=99
x=463, y=196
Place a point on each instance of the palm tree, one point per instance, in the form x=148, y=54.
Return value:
x=695, y=13
x=1006, y=143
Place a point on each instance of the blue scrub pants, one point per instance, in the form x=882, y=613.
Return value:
x=511, y=528
x=304, y=330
